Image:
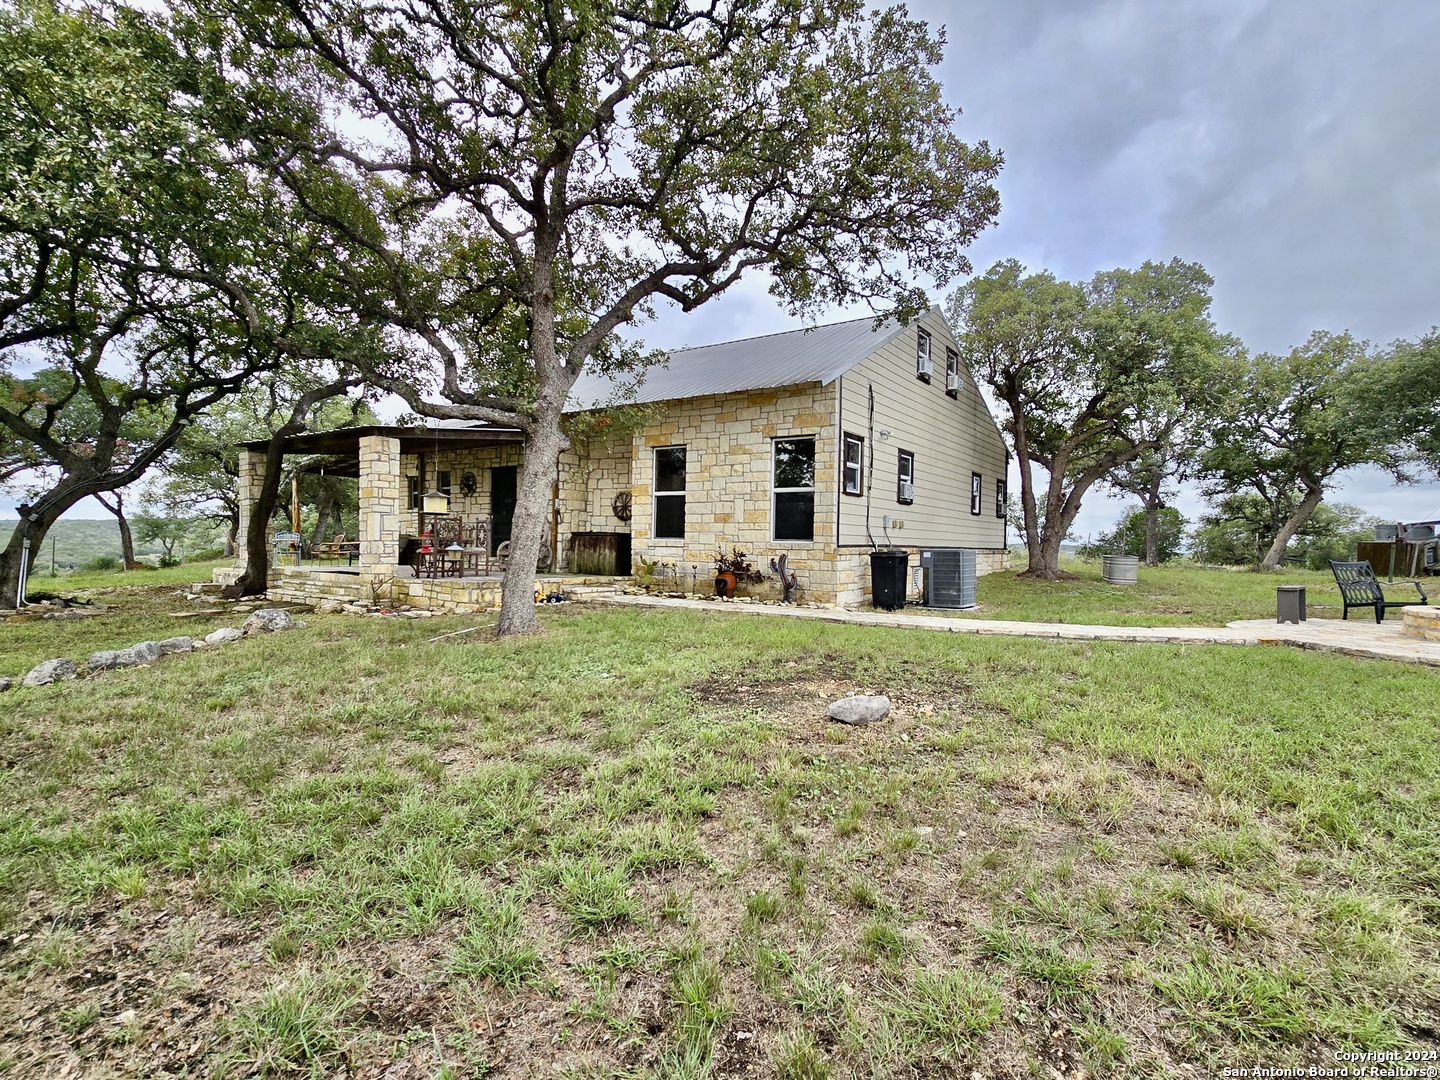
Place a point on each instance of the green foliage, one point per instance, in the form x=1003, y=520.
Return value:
x=1396, y=398
x=1128, y=535
x=1289, y=428
x=1091, y=377
x=1239, y=531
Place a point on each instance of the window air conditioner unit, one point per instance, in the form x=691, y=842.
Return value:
x=923, y=366
x=949, y=577
x=907, y=490
x=952, y=381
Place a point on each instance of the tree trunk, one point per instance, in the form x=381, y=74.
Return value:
x=127, y=538
x=324, y=501
x=256, y=578
x=1153, y=505
x=1276, y=555
x=543, y=444
x=45, y=517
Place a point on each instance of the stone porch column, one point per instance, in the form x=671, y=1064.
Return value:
x=252, y=477
x=379, y=504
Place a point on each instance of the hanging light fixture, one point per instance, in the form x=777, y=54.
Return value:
x=436, y=501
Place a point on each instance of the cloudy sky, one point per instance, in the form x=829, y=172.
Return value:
x=1290, y=146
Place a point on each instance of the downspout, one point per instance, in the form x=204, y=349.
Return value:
x=840, y=453
x=870, y=467
x=24, y=580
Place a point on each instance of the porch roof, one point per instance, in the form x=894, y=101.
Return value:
x=415, y=439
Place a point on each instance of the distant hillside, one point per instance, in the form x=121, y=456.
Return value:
x=76, y=542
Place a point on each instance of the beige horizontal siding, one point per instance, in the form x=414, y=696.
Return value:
x=950, y=438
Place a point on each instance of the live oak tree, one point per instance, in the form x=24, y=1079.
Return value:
x=1290, y=429
x=1397, y=400
x=514, y=183
x=1091, y=377
x=143, y=263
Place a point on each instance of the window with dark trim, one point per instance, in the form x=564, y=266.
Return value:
x=853, y=481
x=670, y=493
x=952, y=373
x=905, y=488
x=792, y=510
x=442, y=481
x=412, y=492
x=1000, y=499
x=922, y=356
x=977, y=496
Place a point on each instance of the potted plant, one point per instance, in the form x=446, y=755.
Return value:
x=731, y=570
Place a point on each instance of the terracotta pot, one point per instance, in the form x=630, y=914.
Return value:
x=726, y=583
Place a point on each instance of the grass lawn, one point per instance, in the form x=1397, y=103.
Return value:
x=631, y=847
x=1180, y=594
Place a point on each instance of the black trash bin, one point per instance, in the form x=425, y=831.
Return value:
x=888, y=571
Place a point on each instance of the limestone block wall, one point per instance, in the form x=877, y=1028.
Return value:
x=591, y=474
x=252, y=478
x=478, y=460
x=729, y=465
x=381, y=495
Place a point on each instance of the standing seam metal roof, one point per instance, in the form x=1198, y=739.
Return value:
x=817, y=354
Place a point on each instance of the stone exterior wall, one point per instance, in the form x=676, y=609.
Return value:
x=251, y=480
x=591, y=475
x=478, y=460
x=729, y=463
x=381, y=496
x=1421, y=622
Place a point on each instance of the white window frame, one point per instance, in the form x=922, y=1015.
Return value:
x=924, y=362
x=774, y=518
x=845, y=466
x=656, y=494
x=1000, y=499
x=953, y=382
x=905, y=458
x=977, y=494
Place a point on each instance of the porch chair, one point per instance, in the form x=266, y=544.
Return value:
x=1360, y=589
x=335, y=549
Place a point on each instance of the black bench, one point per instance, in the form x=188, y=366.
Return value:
x=1358, y=588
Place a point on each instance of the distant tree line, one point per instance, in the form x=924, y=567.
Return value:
x=1124, y=382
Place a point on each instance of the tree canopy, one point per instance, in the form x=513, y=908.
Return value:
x=531, y=178
x=1090, y=377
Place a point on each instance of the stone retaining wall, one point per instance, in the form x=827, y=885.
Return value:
x=1421, y=622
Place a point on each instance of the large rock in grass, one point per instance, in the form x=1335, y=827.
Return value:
x=860, y=709
x=5, y=684
x=267, y=621
x=50, y=671
x=146, y=652
x=223, y=636
x=175, y=644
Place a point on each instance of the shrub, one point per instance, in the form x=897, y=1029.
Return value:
x=101, y=563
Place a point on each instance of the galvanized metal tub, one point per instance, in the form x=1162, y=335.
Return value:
x=1120, y=569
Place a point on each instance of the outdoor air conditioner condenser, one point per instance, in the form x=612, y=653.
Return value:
x=949, y=577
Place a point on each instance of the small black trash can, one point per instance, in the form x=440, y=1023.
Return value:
x=1290, y=603
x=888, y=573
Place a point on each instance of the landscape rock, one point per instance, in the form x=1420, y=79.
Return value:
x=146, y=652
x=5, y=684
x=329, y=607
x=222, y=636
x=50, y=671
x=175, y=644
x=267, y=621
x=860, y=709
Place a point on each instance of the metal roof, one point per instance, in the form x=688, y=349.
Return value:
x=818, y=354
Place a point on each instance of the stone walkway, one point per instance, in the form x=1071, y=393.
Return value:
x=1355, y=637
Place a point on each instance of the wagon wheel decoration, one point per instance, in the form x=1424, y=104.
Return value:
x=621, y=506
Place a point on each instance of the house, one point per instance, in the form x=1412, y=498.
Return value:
x=820, y=444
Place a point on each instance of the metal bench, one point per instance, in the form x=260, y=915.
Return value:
x=1360, y=589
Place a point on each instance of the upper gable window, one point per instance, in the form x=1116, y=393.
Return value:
x=952, y=373
x=923, y=366
x=977, y=496
x=854, y=471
